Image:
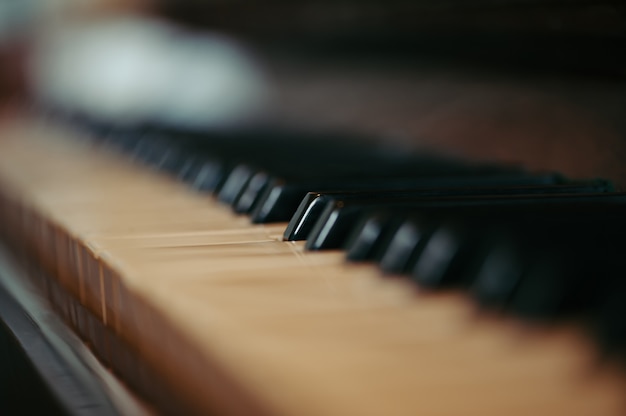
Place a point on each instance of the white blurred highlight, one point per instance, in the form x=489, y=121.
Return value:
x=132, y=71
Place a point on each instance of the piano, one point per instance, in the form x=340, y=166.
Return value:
x=412, y=223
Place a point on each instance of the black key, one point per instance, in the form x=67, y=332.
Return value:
x=302, y=161
x=306, y=216
x=141, y=150
x=168, y=157
x=446, y=255
x=314, y=205
x=311, y=207
x=462, y=250
x=189, y=168
x=501, y=272
x=406, y=244
x=572, y=272
x=542, y=290
x=316, y=163
x=545, y=265
x=340, y=216
x=249, y=197
x=171, y=162
x=279, y=199
x=366, y=239
x=609, y=321
x=235, y=184
x=206, y=175
x=324, y=220
x=157, y=152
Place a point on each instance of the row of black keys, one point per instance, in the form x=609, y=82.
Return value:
x=537, y=245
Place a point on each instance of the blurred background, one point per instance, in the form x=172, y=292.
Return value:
x=536, y=82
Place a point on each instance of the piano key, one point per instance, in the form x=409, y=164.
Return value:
x=339, y=216
x=567, y=278
x=454, y=257
x=281, y=198
x=235, y=183
x=311, y=206
x=405, y=244
x=238, y=189
x=500, y=273
x=206, y=174
x=314, y=204
x=519, y=263
x=250, y=195
x=281, y=192
x=364, y=243
x=517, y=269
x=189, y=169
x=365, y=163
x=541, y=293
x=445, y=257
x=454, y=251
x=608, y=322
x=141, y=149
x=172, y=160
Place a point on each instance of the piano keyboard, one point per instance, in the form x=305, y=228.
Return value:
x=199, y=311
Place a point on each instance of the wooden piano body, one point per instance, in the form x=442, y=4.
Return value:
x=197, y=311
